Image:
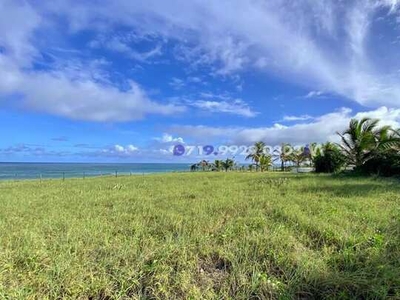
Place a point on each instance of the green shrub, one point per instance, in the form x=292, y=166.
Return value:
x=329, y=160
x=384, y=164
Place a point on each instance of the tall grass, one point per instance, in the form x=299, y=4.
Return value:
x=203, y=235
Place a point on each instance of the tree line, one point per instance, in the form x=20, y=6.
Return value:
x=364, y=148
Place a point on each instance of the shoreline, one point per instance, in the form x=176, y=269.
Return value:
x=88, y=176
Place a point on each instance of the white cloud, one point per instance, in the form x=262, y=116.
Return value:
x=75, y=91
x=387, y=116
x=125, y=45
x=119, y=148
x=159, y=152
x=118, y=151
x=321, y=129
x=297, y=118
x=78, y=97
x=168, y=138
x=177, y=83
x=195, y=79
x=235, y=107
x=324, y=45
x=18, y=22
x=314, y=94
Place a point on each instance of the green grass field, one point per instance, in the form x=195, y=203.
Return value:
x=200, y=236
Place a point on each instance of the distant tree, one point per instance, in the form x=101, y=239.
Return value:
x=265, y=162
x=228, y=164
x=257, y=152
x=218, y=165
x=205, y=165
x=298, y=156
x=283, y=155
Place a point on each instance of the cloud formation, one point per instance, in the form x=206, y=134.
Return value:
x=320, y=129
x=325, y=45
x=75, y=91
x=234, y=107
x=296, y=118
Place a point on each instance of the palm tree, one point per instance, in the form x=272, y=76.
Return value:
x=311, y=151
x=363, y=140
x=298, y=156
x=228, y=164
x=256, y=153
x=218, y=165
x=358, y=140
x=282, y=155
x=265, y=162
x=387, y=139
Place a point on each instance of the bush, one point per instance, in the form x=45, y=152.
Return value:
x=330, y=160
x=385, y=164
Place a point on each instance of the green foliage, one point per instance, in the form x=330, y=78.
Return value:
x=299, y=156
x=257, y=152
x=329, y=159
x=359, y=140
x=218, y=165
x=204, y=235
x=228, y=164
x=265, y=162
x=282, y=155
x=364, y=140
x=372, y=149
x=203, y=165
x=385, y=164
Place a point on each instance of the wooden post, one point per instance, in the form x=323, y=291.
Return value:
x=116, y=173
x=84, y=175
x=63, y=176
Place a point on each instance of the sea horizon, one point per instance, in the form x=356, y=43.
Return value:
x=48, y=170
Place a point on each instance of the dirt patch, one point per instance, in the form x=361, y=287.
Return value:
x=214, y=270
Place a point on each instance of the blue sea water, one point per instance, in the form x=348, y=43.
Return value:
x=68, y=170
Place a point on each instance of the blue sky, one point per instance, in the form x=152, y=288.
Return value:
x=124, y=80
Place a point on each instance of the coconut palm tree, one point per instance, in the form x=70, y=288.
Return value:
x=228, y=164
x=283, y=154
x=265, y=162
x=298, y=156
x=364, y=140
x=217, y=166
x=388, y=139
x=257, y=152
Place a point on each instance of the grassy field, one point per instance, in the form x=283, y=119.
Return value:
x=200, y=236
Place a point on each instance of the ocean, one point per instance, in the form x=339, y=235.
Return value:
x=18, y=171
